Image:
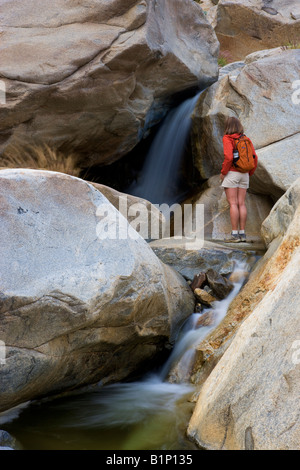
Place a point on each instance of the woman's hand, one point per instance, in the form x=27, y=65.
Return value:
x=221, y=178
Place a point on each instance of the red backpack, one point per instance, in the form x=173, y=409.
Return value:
x=243, y=158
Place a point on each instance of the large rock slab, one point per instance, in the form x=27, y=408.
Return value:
x=189, y=262
x=244, y=26
x=93, y=77
x=77, y=306
x=250, y=399
x=261, y=95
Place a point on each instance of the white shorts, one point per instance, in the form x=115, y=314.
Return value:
x=235, y=179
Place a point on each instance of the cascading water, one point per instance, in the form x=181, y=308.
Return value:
x=147, y=414
x=160, y=177
x=184, y=350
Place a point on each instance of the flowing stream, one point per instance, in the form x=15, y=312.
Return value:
x=150, y=414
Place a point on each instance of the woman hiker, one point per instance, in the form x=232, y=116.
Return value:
x=235, y=174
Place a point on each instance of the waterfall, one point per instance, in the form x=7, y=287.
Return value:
x=160, y=177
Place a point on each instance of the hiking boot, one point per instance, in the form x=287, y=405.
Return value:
x=234, y=238
x=242, y=237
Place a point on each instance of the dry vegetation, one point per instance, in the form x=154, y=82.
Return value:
x=40, y=157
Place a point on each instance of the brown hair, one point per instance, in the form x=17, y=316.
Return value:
x=233, y=126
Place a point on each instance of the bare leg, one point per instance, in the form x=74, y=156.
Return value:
x=232, y=198
x=242, y=207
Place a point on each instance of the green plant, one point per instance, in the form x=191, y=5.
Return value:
x=222, y=62
x=292, y=45
x=224, y=58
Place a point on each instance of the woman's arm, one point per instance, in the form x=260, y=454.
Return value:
x=228, y=155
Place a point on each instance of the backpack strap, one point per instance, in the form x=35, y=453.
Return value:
x=237, y=140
